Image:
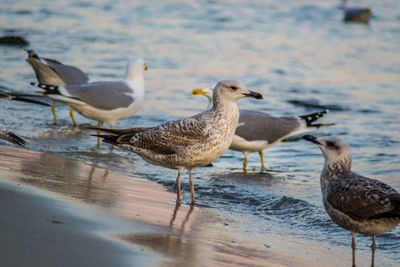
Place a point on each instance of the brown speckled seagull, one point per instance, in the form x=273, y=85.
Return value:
x=356, y=203
x=190, y=142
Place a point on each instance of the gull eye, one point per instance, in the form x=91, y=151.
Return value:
x=234, y=88
x=331, y=144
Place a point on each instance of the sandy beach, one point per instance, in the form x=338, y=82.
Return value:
x=60, y=212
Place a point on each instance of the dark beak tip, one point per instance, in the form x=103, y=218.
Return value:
x=255, y=95
x=311, y=139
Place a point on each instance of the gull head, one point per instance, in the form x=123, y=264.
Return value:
x=135, y=68
x=232, y=91
x=335, y=151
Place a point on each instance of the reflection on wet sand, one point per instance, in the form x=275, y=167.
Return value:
x=197, y=240
x=184, y=235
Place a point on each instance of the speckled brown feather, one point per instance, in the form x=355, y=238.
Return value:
x=360, y=197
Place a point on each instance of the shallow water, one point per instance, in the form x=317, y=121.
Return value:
x=300, y=56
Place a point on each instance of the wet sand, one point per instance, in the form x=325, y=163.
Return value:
x=60, y=212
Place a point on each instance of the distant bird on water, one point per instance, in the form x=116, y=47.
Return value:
x=356, y=14
x=356, y=203
x=257, y=130
x=52, y=72
x=190, y=142
x=105, y=101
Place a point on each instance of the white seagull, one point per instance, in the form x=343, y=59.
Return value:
x=106, y=101
x=52, y=72
x=358, y=204
x=190, y=142
x=257, y=130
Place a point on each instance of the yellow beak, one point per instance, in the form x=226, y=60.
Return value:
x=198, y=92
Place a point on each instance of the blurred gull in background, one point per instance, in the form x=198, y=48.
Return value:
x=52, y=72
x=105, y=101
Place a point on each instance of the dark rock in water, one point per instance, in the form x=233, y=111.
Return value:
x=13, y=40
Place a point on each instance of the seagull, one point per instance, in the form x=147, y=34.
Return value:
x=257, y=130
x=355, y=14
x=190, y=142
x=105, y=101
x=356, y=203
x=52, y=72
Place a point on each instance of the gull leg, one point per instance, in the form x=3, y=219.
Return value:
x=71, y=114
x=191, y=186
x=261, y=158
x=112, y=146
x=178, y=187
x=353, y=246
x=99, y=132
x=245, y=161
x=53, y=110
x=373, y=247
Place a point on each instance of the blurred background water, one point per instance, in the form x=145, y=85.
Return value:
x=298, y=54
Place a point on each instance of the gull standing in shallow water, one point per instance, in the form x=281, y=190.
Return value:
x=190, y=142
x=257, y=130
x=52, y=72
x=108, y=101
x=356, y=203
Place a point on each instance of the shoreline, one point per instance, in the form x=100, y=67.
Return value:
x=73, y=213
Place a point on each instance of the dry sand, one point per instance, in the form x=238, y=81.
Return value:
x=59, y=212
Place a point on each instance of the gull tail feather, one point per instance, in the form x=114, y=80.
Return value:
x=110, y=139
x=395, y=199
x=309, y=119
x=118, y=140
x=119, y=132
x=23, y=99
x=12, y=138
x=48, y=89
